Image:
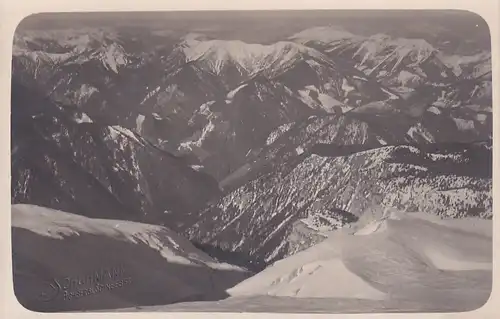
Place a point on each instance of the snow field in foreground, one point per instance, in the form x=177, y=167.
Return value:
x=157, y=265
x=397, y=256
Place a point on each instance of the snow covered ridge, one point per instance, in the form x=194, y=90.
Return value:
x=418, y=49
x=372, y=52
x=248, y=57
x=113, y=57
x=481, y=63
x=60, y=225
x=79, y=46
x=368, y=46
x=153, y=259
x=116, y=130
x=78, y=38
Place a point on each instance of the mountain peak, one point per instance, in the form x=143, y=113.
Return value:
x=399, y=47
x=247, y=57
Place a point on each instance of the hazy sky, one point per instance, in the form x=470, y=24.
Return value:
x=460, y=30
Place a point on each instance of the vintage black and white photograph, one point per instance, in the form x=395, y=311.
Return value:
x=252, y=161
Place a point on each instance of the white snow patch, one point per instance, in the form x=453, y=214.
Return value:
x=231, y=94
x=313, y=63
x=114, y=57
x=419, y=130
x=307, y=99
x=359, y=78
x=116, y=130
x=481, y=118
x=277, y=133
x=382, y=73
x=205, y=108
x=138, y=122
x=197, y=167
x=84, y=118
x=188, y=145
x=406, y=77
x=463, y=125
x=381, y=140
x=328, y=103
x=391, y=95
x=157, y=116
x=434, y=110
x=85, y=92
x=150, y=95
x=346, y=86
x=436, y=157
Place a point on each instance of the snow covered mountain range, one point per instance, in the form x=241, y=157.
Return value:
x=184, y=95
x=253, y=152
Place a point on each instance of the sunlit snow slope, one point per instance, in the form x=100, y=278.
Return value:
x=397, y=256
x=394, y=262
x=154, y=265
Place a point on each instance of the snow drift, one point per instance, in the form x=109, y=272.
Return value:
x=66, y=262
x=400, y=256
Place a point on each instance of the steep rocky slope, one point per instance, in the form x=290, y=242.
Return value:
x=62, y=159
x=357, y=131
x=332, y=188
x=232, y=94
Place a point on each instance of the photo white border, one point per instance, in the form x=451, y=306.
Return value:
x=13, y=12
